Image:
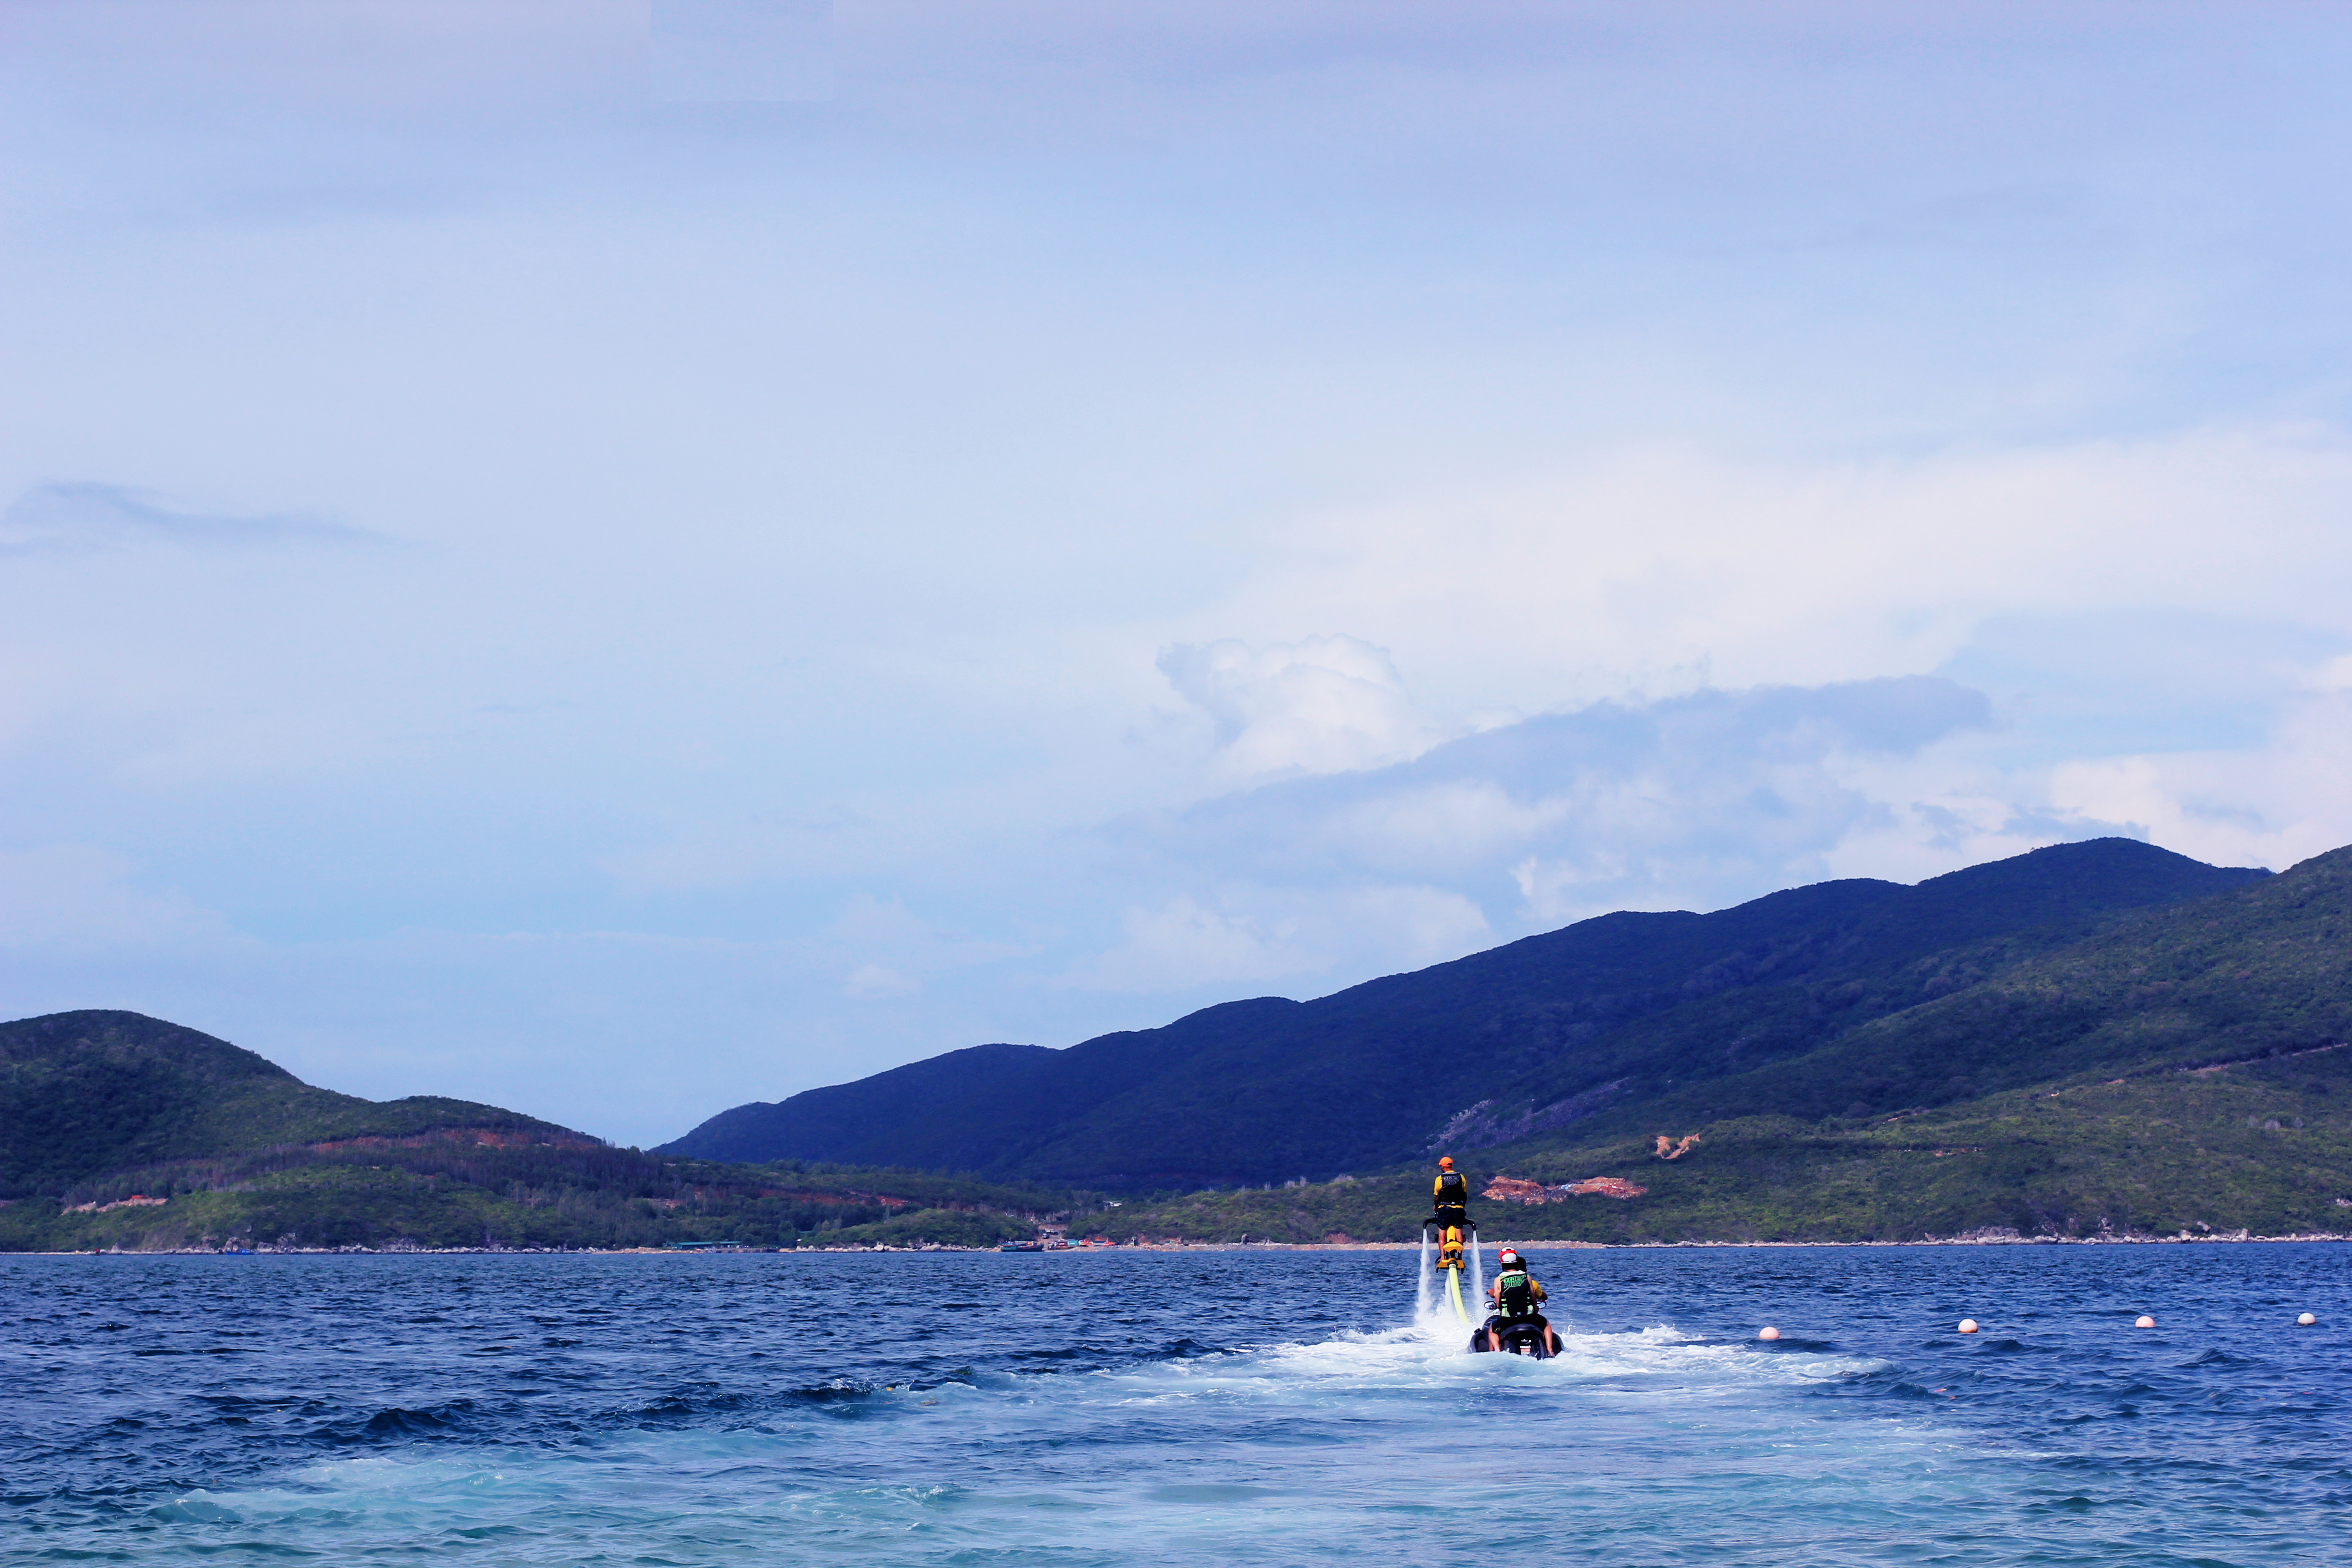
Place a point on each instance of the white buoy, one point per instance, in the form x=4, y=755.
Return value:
x=1968, y=1325
x=2143, y=1321
x=1767, y=1332
x=2305, y=1320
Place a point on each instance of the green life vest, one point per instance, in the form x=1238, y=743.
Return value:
x=1516, y=1293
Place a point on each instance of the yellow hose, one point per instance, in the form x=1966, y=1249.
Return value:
x=1454, y=1288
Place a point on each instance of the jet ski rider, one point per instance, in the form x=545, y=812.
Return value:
x=1452, y=1198
x=1517, y=1298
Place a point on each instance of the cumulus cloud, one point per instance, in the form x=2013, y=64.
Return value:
x=1324, y=704
x=81, y=517
x=1707, y=795
x=2123, y=680
x=1665, y=566
x=1690, y=801
x=803, y=458
x=2270, y=805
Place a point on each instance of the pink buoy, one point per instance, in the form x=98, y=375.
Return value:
x=1968, y=1325
x=1767, y=1332
x=2143, y=1321
x=2305, y=1320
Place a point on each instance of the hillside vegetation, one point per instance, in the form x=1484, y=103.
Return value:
x=2074, y=1044
x=1606, y=1015
x=2182, y=1072
x=85, y=1093
x=2258, y=1149
x=447, y=1190
x=121, y=1130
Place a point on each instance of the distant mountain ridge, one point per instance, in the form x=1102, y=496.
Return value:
x=87, y=1092
x=1849, y=1061
x=2183, y=1073
x=1602, y=1016
x=121, y=1131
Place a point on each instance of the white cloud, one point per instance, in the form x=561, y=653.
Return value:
x=1324, y=704
x=1693, y=801
x=2273, y=806
x=1663, y=567
x=1955, y=804
x=793, y=519
x=1704, y=798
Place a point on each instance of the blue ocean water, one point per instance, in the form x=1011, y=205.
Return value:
x=1187, y=1408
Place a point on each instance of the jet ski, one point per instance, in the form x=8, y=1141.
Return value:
x=1517, y=1326
x=1517, y=1336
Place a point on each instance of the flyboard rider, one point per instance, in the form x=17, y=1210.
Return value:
x=1451, y=1195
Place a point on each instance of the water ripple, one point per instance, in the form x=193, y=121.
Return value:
x=1179, y=1408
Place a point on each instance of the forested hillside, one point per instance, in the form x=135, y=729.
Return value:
x=118, y=1130
x=2102, y=1040
x=1607, y=1013
x=85, y=1093
x=2186, y=1070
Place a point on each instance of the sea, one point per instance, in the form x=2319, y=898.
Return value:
x=1255, y=1405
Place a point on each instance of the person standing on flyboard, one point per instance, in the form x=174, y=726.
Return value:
x=1451, y=1195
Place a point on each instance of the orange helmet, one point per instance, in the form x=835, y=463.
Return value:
x=1446, y=1161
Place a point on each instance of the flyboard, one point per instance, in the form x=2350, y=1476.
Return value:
x=1449, y=1269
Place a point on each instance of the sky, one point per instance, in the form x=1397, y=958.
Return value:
x=619, y=559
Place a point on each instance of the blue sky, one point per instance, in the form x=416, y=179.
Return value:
x=534, y=574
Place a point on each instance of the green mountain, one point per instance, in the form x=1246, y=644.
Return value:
x=85, y=1093
x=449, y=1189
x=121, y=1130
x=2184, y=1070
x=1607, y=1016
x=2101, y=1039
